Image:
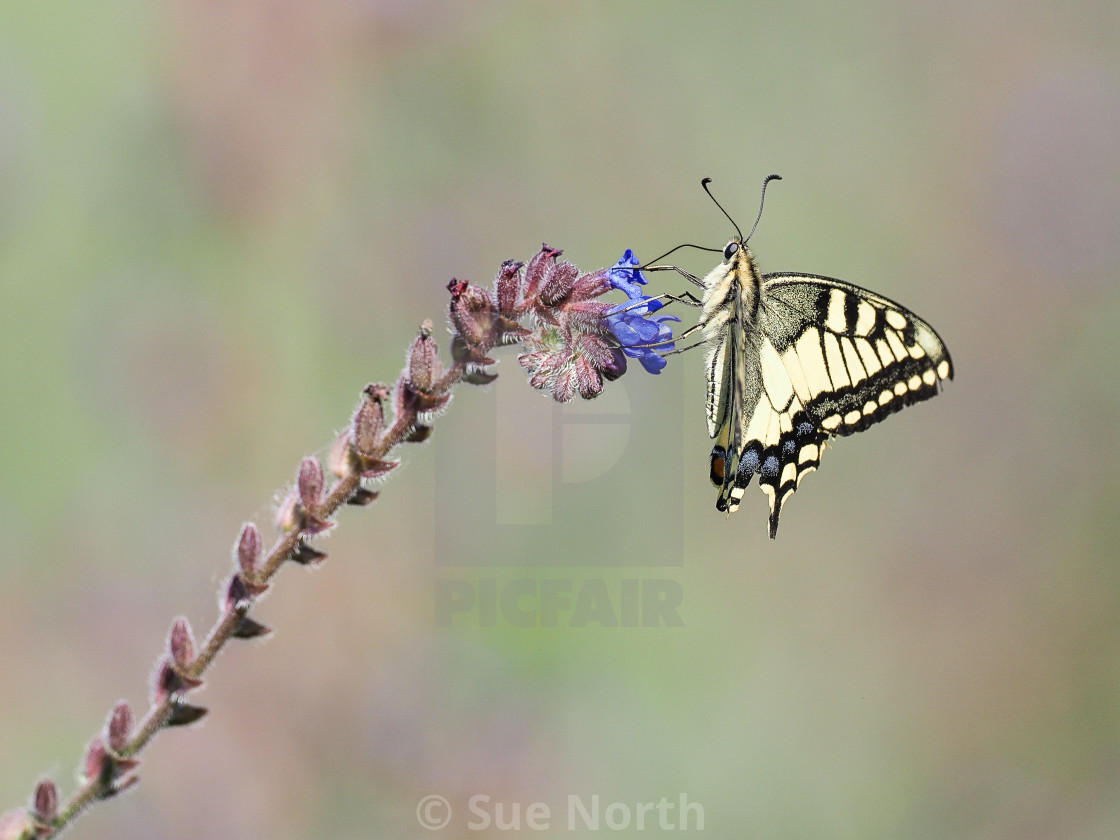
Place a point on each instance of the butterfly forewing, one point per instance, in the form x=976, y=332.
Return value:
x=864, y=356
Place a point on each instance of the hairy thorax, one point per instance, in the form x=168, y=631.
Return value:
x=731, y=290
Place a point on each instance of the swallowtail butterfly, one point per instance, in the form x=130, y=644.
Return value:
x=794, y=359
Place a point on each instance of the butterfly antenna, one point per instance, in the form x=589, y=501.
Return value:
x=705, y=184
x=671, y=250
x=761, y=202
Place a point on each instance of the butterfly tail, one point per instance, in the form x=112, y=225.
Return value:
x=780, y=468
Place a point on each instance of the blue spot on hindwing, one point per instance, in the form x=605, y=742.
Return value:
x=748, y=466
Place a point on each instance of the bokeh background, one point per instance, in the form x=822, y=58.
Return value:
x=219, y=221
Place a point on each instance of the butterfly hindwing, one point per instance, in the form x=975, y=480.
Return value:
x=766, y=432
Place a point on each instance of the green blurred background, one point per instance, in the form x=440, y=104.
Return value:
x=218, y=221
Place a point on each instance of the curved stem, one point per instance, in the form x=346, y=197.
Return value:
x=224, y=628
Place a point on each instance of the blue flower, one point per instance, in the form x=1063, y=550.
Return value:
x=640, y=336
x=624, y=275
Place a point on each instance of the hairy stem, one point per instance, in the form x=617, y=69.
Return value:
x=574, y=357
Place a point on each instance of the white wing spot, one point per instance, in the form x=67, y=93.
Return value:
x=943, y=370
x=896, y=319
x=916, y=351
x=809, y=452
x=831, y=422
x=915, y=382
x=929, y=377
x=836, y=320
x=789, y=473
x=900, y=388
x=869, y=407
x=885, y=397
x=851, y=417
x=865, y=318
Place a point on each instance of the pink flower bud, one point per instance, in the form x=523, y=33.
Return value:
x=592, y=285
x=564, y=388
x=118, y=728
x=588, y=379
x=45, y=801
x=538, y=266
x=472, y=312
x=507, y=286
x=424, y=365
x=180, y=643
x=369, y=420
x=97, y=767
x=558, y=283
x=249, y=548
x=310, y=483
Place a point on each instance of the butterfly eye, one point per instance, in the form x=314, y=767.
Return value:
x=730, y=249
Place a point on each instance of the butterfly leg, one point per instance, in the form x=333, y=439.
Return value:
x=674, y=339
x=687, y=298
x=683, y=335
x=691, y=278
